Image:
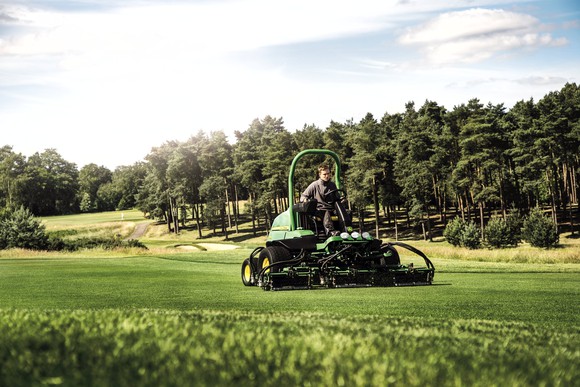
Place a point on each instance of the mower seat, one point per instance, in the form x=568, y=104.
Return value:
x=306, y=211
x=308, y=207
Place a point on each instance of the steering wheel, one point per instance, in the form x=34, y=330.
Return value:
x=339, y=195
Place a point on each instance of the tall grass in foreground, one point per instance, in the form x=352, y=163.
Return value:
x=151, y=347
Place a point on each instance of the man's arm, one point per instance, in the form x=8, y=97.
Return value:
x=308, y=192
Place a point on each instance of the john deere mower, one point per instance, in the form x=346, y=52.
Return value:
x=300, y=254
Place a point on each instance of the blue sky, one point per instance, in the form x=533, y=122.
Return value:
x=103, y=81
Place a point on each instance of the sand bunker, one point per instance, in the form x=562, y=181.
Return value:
x=208, y=246
x=217, y=246
x=187, y=248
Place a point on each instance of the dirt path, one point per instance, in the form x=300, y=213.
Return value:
x=139, y=231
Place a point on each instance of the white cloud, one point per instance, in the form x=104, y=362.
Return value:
x=207, y=27
x=477, y=34
x=105, y=85
x=184, y=45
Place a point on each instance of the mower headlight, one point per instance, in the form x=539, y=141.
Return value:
x=367, y=236
x=344, y=235
x=355, y=235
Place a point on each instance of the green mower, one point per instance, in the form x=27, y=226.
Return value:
x=300, y=254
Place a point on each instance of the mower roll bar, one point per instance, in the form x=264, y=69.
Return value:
x=337, y=174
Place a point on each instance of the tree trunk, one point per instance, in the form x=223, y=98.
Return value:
x=501, y=196
x=444, y=219
x=236, y=208
x=275, y=205
x=168, y=220
x=552, y=196
x=460, y=205
x=361, y=221
x=376, y=204
x=438, y=197
x=183, y=217
x=481, y=217
x=169, y=216
x=195, y=208
x=253, y=214
x=429, y=225
x=228, y=206
x=224, y=226
x=175, y=216
x=573, y=198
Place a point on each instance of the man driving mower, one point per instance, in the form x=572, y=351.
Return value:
x=328, y=200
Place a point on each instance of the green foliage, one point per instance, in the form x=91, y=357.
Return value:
x=539, y=230
x=86, y=204
x=49, y=184
x=472, y=156
x=11, y=177
x=496, y=233
x=20, y=229
x=462, y=233
x=98, y=242
x=515, y=223
x=108, y=197
x=127, y=180
x=470, y=236
x=452, y=232
x=413, y=165
x=501, y=232
x=165, y=348
x=213, y=192
x=91, y=179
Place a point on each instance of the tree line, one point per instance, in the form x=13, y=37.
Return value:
x=473, y=161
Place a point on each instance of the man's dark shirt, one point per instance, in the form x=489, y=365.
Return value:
x=319, y=190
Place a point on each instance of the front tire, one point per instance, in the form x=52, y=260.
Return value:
x=247, y=275
x=271, y=255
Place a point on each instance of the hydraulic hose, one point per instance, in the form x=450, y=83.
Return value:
x=293, y=261
x=324, y=261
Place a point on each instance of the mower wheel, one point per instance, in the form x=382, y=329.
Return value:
x=247, y=275
x=271, y=255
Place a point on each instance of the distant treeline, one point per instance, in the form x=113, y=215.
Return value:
x=475, y=160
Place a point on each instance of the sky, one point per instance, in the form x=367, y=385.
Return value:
x=104, y=81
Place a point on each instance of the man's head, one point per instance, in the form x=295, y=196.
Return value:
x=324, y=172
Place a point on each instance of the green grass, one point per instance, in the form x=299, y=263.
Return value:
x=153, y=347
x=165, y=317
x=211, y=281
x=95, y=225
x=170, y=319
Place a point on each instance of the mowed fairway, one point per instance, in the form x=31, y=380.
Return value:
x=211, y=280
x=186, y=319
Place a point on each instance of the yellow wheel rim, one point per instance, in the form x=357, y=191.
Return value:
x=266, y=262
x=247, y=273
